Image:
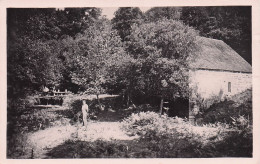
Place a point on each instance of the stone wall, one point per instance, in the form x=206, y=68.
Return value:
x=214, y=83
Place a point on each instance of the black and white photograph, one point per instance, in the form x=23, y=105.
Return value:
x=171, y=82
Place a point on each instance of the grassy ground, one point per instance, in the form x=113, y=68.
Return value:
x=54, y=133
x=34, y=131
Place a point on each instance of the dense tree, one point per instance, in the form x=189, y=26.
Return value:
x=32, y=23
x=72, y=21
x=231, y=24
x=49, y=23
x=32, y=64
x=124, y=18
x=74, y=48
x=156, y=13
x=95, y=53
x=34, y=46
x=161, y=51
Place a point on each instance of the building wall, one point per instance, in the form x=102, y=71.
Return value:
x=211, y=83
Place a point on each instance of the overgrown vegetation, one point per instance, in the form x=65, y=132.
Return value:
x=160, y=136
x=51, y=47
x=135, y=55
x=30, y=120
x=227, y=111
x=175, y=137
x=164, y=137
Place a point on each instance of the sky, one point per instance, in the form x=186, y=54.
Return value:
x=109, y=11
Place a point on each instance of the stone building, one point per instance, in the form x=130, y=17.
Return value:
x=216, y=70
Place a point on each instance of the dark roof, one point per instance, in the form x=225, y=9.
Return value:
x=216, y=55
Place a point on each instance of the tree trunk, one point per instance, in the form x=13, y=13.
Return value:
x=161, y=105
x=98, y=101
x=99, y=104
x=127, y=101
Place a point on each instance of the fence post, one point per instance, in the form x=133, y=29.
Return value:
x=161, y=105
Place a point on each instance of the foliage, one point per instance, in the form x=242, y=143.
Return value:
x=76, y=20
x=160, y=53
x=43, y=44
x=73, y=104
x=35, y=120
x=230, y=24
x=141, y=123
x=124, y=18
x=33, y=23
x=97, y=149
x=238, y=106
x=16, y=145
x=25, y=64
x=161, y=137
x=151, y=124
x=23, y=123
x=97, y=51
x=74, y=48
x=49, y=23
x=34, y=47
x=173, y=137
x=156, y=13
x=53, y=46
x=181, y=141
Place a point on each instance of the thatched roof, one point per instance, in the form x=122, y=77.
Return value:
x=216, y=55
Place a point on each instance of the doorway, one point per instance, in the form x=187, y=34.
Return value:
x=179, y=107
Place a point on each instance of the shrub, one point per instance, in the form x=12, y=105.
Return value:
x=17, y=145
x=96, y=149
x=36, y=120
x=238, y=143
x=144, y=123
x=234, y=107
x=175, y=137
x=224, y=111
x=150, y=124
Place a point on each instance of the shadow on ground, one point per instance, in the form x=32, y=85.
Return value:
x=102, y=149
x=108, y=116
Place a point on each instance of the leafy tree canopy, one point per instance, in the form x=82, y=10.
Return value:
x=97, y=51
x=162, y=50
x=156, y=13
x=124, y=18
x=231, y=24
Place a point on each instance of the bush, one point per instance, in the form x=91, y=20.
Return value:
x=19, y=127
x=36, y=120
x=234, y=144
x=150, y=125
x=144, y=123
x=81, y=149
x=17, y=145
x=234, y=107
x=224, y=111
x=175, y=137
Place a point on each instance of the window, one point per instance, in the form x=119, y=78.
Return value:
x=229, y=86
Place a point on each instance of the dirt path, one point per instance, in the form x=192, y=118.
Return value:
x=44, y=140
x=107, y=128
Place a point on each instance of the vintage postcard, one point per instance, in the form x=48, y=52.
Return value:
x=128, y=81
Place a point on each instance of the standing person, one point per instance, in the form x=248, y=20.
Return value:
x=84, y=112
